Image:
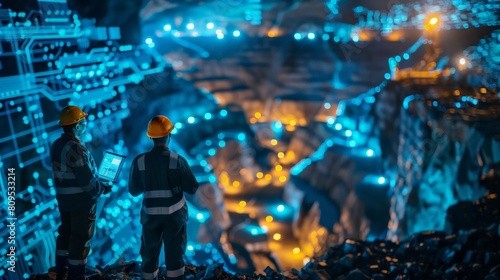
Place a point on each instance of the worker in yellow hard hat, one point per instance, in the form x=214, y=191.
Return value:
x=77, y=189
x=162, y=176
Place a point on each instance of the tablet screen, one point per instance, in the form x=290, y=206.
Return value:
x=110, y=166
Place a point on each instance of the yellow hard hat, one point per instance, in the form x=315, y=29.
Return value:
x=71, y=115
x=159, y=126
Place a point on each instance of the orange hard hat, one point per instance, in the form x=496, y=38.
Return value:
x=159, y=126
x=71, y=115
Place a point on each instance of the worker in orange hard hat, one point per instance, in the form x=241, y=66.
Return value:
x=77, y=189
x=162, y=176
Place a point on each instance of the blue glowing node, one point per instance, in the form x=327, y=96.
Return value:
x=191, y=120
x=30, y=189
x=297, y=36
x=352, y=143
x=190, y=26
x=311, y=36
x=327, y=105
x=223, y=112
x=222, y=143
x=387, y=76
x=210, y=25
x=211, y=152
x=241, y=136
x=178, y=125
x=278, y=125
x=406, y=56
x=190, y=248
x=326, y=37
x=167, y=27
x=369, y=152
x=280, y=208
x=348, y=133
x=254, y=231
x=207, y=116
x=199, y=216
x=338, y=126
x=236, y=33
x=36, y=175
x=148, y=41
x=220, y=36
x=381, y=180
x=212, y=179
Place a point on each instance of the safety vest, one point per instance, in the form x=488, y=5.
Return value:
x=163, y=193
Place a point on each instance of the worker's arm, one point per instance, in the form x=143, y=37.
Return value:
x=135, y=185
x=86, y=177
x=188, y=180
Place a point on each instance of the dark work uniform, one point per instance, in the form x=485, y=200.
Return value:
x=77, y=189
x=163, y=177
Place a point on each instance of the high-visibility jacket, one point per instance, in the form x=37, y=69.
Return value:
x=163, y=176
x=75, y=174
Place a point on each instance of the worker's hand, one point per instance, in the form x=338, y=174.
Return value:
x=107, y=187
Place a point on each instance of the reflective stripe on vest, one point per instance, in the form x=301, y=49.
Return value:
x=163, y=193
x=165, y=210
x=173, y=161
x=140, y=163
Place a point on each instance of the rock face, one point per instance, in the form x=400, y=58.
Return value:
x=446, y=143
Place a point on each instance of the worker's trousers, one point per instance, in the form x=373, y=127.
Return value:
x=73, y=243
x=169, y=230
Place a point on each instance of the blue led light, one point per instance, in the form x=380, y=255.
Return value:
x=297, y=36
x=191, y=120
x=326, y=37
x=36, y=175
x=220, y=36
x=381, y=180
x=207, y=116
x=178, y=125
x=212, y=178
x=278, y=125
x=338, y=126
x=387, y=76
x=369, y=152
x=241, y=136
x=199, y=216
x=190, y=248
x=148, y=41
x=406, y=56
x=236, y=33
x=254, y=231
x=280, y=208
x=210, y=25
x=327, y=105
x=208, y=142
x=211, y=152
x=311, y=36
x=167, y=27
x=348, y=133
x=330, y=120
x=190, y=26
x=352, y=143
x=223, y=112
x=222, y=143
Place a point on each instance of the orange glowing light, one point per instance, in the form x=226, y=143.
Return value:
x=282, y=179
x=243, y=203
x=269, y=219
x=274, y=142
x=281, y=154
x=236, y=184
x=268, y=177
x=277, y=236
x=296, y=250
x=253, y=120
x=278, y=167
x=258, y=115
x=259, y=175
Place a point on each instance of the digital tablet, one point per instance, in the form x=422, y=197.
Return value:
x=111, y=166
